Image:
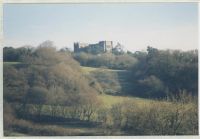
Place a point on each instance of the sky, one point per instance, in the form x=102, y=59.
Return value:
x=135, y=25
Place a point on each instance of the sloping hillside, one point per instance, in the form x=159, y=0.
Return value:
x=113, y=82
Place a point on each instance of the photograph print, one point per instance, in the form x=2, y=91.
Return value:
x=100, y=69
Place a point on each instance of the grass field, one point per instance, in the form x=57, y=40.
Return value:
x=87, y=70
x=112, y=81
x=12, y=133
x=109, y=100
x=11, y=63
x=123, y=78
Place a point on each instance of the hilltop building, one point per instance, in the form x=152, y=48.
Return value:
x=102, y=46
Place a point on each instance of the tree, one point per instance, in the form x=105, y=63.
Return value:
x=14, y=84
x=37, y=96
x=153, y=87
x=10, y=54
x=117, y=114
x=169, y=67
x=89, y=105
x=118, y=49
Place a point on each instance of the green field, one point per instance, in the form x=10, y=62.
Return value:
x=11, y=63
x=87, y=70
x=122, y=77
x=109, y=100
x=112, y=81
x=12, y=133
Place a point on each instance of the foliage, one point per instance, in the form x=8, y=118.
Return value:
x=169, y=71
x=152, y=87
x=156, y=118
x=11, y=54
x=109, y=60
x=49, y=77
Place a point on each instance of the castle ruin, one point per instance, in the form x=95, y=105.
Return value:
x=102, y=46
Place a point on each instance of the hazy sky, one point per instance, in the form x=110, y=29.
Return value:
x=136, y=25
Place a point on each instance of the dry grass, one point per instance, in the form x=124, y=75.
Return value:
x=109, y=100
x=87, y=70
x=11, y=63
x=23, y=127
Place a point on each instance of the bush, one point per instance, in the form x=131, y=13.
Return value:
x=152, y=87
x=109, y=60
x=174, y=117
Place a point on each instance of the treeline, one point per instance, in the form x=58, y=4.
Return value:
x=106, y=60
x=11, y=54
x=155, y=73
x=159, y=73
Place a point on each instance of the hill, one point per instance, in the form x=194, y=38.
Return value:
x=113, y=82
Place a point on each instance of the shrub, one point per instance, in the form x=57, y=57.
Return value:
x=153, y=87
x=157, y=118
